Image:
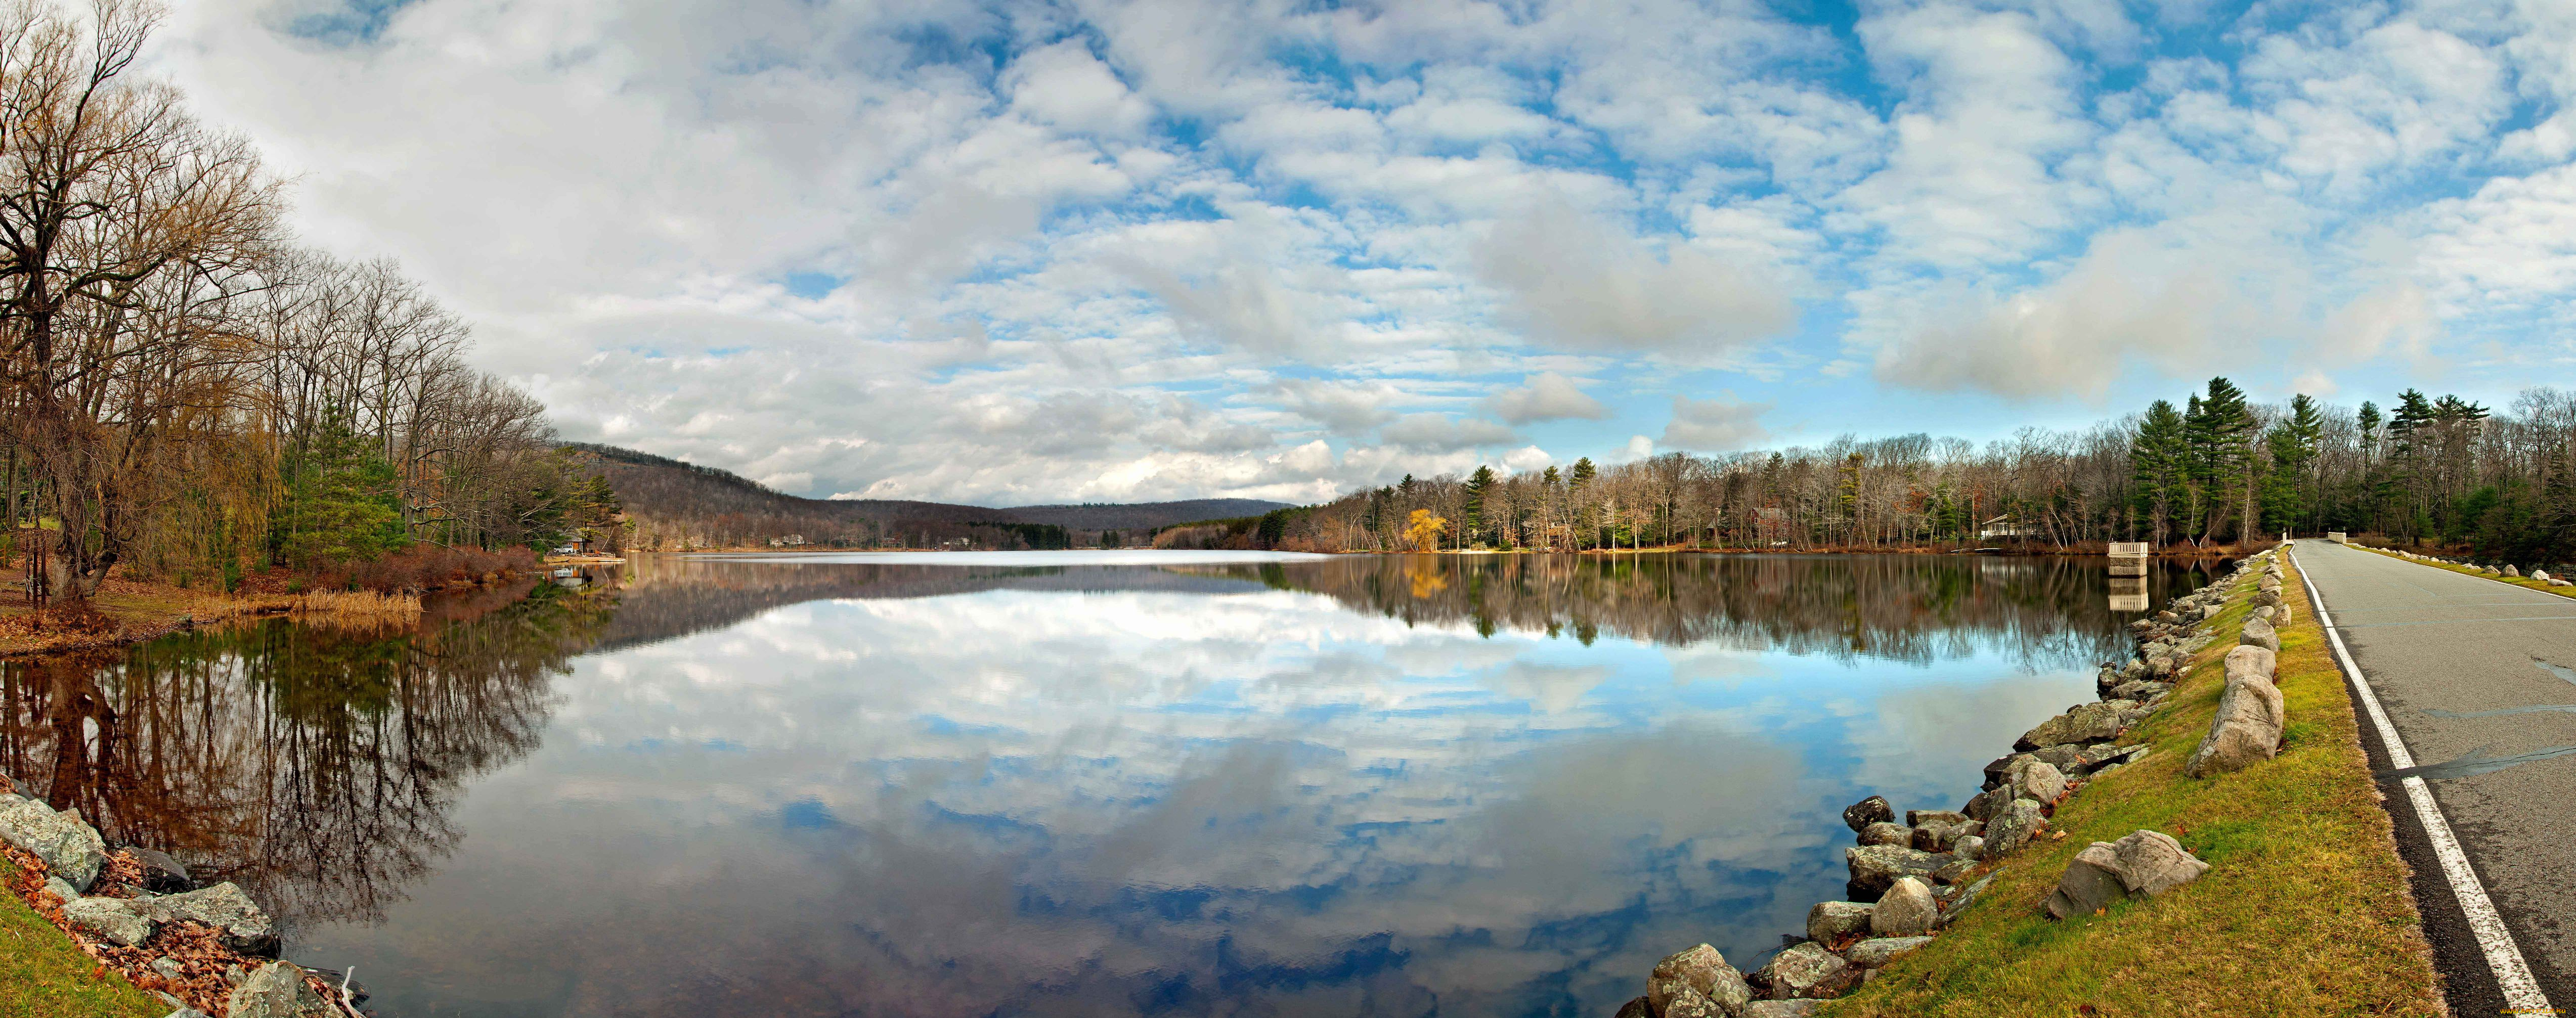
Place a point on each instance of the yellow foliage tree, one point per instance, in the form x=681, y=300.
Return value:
x=1425, y=530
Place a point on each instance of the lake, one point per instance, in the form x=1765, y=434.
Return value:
x=1069, y=784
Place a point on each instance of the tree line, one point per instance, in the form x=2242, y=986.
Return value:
x=185, y=392
x=2216, y=470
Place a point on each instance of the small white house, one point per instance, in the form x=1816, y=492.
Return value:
x=2002, y=526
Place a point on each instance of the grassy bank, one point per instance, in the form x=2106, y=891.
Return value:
x=126, y=611
x=2519, y=581
x=2305, y=911
x=42, y=975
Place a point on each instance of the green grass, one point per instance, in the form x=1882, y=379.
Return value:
x=2519, y=581
x=43, y=976
x=2305, y=910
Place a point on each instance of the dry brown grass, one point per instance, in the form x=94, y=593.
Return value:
x=2306, y=910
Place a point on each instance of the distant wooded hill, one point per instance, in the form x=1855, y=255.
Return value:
x=676, y=504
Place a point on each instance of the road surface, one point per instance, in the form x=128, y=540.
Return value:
x=2479, y=680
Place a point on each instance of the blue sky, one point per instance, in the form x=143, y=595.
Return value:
x=1101, y=250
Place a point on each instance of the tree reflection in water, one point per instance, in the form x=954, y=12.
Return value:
x=316, y=766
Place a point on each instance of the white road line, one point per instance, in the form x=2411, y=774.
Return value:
x=2503, y=955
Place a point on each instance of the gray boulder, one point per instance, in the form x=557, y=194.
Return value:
x=1877, y=951
x=1806, y=970
x=2264, y=613
x=2008, y=832
x=1885, y=833
x=2247, y=728
x=1689, y=1003
x=2091, y=882
x=1701, y=972
x=1920, y=817
x=61, y=891
x=2259, y=633
x=224, y=907
x=2139, y=690
x=1957, y=869
x=68, y=847
x=1832, y=922
x=109, y=919
x=1875, y=868
x=1781, y=1008
x=1907, y=910
x=2036, y=780
x=161, y=873
x=277, y=990
x=2147, y=863
x=1937, y=835
x=2152, y=862
x=2092, y=722
x=2511, y=571
x=1970, y=847
x=1859, y=815
x=1965, y=897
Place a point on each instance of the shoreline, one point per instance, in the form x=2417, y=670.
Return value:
x=2300, y=886
x=128, y=612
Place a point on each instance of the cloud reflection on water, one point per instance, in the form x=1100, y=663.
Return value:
x=1042, y=801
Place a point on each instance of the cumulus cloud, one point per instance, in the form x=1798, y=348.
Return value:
x=1577, y=283
x=1714, y=425
x=1546, y=396
x=1150, y=250
x=2130, y=297
x=1443, y=433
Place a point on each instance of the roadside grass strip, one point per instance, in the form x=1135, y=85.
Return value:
x=44, y=975
x=2305, y=911
x=2525, y=582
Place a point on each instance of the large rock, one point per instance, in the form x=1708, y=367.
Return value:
x=2092, y=722
x=68, y=847
x=2259, y=633
x=2140, y=690
x=1832, y=922
x=161, y=873
x=2036, y=780
x=2152, y=862
x=1966, y=896
x=1906, y=910
x=2247, y=728
x=1874, y=868
x=1885, y=833
x=2091, y=882
x=2145, y=863
x=109, y=919
x=1806, y=970
x=1689, y=1003
x=1859, y=815
x=1700, y=971
x=224, y=907
x=1920, y=817
x=1781, y=1008
x=1990, y=802
x=1970, y=847
x=1937, y=835
x=1877, y=951
x=2013, y=828
x=277, y=990
x=1636, y=1007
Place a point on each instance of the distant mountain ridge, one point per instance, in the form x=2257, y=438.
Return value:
x=674, y=502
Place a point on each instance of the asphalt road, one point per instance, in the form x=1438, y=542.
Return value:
x=2479, y=679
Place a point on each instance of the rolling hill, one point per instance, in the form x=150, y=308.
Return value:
x=675, y=503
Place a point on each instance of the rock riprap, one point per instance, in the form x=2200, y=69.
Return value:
x=1910, y=880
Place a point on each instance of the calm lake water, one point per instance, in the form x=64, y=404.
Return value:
x=1034, y=785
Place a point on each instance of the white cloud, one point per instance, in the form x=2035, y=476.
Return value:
x=1712, y=425
x=1442, y=433
x=1581, y=285
x=1546, y=396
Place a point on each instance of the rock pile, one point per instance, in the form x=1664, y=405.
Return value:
x=201, y=949
x=1909, y=880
